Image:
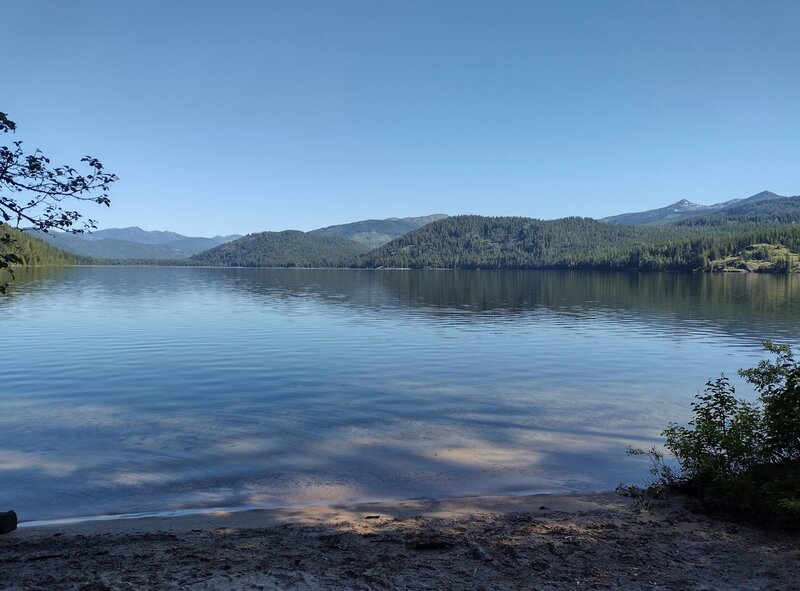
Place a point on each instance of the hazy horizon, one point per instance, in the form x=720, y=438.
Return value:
x=101, y=227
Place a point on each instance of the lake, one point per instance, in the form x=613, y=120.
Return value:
x=136, y=390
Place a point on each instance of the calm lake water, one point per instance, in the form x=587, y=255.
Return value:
x=136, y=390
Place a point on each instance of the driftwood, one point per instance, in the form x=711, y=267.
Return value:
x=8, y=522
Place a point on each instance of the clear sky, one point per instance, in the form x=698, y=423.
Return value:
x=237, y=117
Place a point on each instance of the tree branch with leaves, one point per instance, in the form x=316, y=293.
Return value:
x=34, y=194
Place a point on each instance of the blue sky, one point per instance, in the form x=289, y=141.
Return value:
x=238, y=117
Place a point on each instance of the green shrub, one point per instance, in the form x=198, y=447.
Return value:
x=737, y=457
x=778, y=384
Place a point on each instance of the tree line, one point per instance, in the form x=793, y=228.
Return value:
x=32, y=252
x=477, y=242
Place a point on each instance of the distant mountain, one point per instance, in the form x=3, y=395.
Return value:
x=133, y=243
x=290, y=248
x=375, y=233
x=772, y=211
x=684, y=209
x=133, y=234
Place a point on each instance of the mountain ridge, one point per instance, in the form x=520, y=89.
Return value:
x=289, y=248
x=683, y=209
x=375, y=233
x=679, y=221
x=132, y=243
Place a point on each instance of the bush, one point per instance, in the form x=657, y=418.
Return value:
x=742, y=458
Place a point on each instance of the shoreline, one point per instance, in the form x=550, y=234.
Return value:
x=391, y=505
x=180, y=263
x=543, y=542
x=183, y=520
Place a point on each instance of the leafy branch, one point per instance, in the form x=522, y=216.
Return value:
x=32, y=192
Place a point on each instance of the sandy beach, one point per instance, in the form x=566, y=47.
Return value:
x=543, y=542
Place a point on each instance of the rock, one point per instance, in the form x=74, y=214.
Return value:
x=8, y=522
x=479, y=553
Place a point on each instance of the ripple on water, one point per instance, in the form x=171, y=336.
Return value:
x=149, y=389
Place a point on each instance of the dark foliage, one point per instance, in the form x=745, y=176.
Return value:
x=476, y=242
x=27, y=250
x=741, y=458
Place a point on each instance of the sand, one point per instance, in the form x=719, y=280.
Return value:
x=544, y=542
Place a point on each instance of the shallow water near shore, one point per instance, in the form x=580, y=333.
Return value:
x=141, y=390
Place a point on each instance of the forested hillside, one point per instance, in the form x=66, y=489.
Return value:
x=752, y=235
x=476, y=242
x=32, y=251
x=283, y=249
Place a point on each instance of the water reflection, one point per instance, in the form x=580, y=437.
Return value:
x=748, y=305
x=144, y=389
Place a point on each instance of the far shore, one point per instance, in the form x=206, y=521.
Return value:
x=542, y=542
